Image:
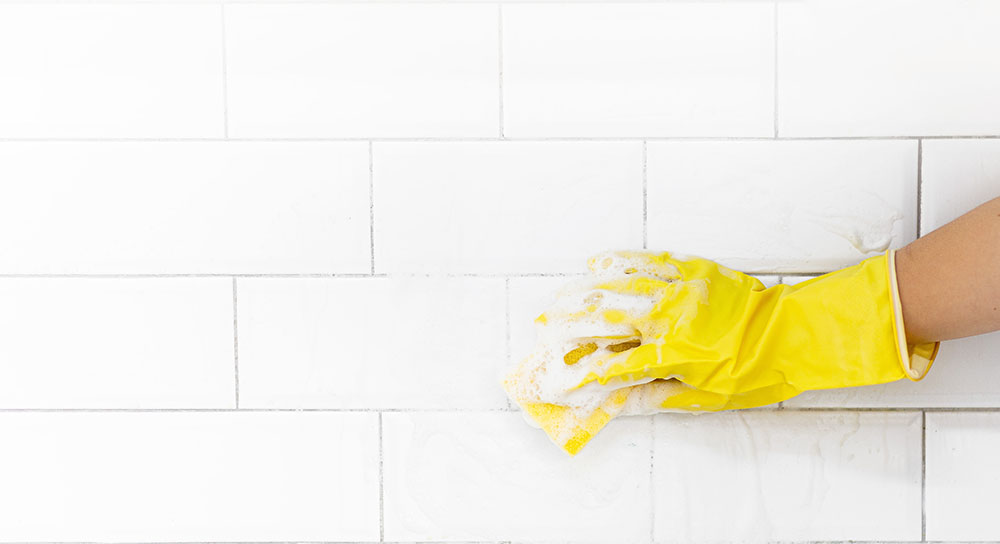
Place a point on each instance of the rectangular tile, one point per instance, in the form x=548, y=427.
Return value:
x=786, y=206
x=957, y=176
x=371, y=343
x=841, y=74
x=357, y=70
x=111, y=71
x=116, y=343
x=189, y=477
x=490, y=476
x=787, y=476
x=504, y=207
x=963, y=477
x=192, y=207
x=620, y=69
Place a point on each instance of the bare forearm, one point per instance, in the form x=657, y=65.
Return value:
x=949, y=280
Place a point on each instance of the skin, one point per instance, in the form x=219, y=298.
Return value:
x=939, y=304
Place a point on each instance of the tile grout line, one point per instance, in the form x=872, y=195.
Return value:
x=652, y=493
x=412, y=542
x=299, y=541
x=381, y=484
x=645, y=199
x=500, y=62
x=785, y=409
x=225, y=76
x=317, y=275
x=540, y=139
x=920, y=182
x=371, y=203
x=923, y=476
x=361, y=275
x=775, y=69
x=261, y=410
x=236, y=346
x=457, y=542
x=304, y=541
x=506, y=288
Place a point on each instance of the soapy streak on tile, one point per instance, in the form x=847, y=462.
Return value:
x=867, y=225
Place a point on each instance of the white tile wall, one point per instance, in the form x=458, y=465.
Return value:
x=184, y=207
x=116, y=343
x=189, y=477
x=963, y=477
x=888, y=68
x=766, y=476
x=347, y=214
x=371, y=343
x=504, y=207
x=336, y=70
x=786, y=206
x=663, y=69
x=488, y=476
x=957, y=176
x=111, y=71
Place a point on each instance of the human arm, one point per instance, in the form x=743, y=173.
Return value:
x=949, y=280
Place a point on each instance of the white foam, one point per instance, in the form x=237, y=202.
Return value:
x=577, y=319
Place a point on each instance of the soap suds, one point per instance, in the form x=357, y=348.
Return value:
x=868, y=225
x=588, y=328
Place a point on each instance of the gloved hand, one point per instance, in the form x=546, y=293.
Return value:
x=655, y=332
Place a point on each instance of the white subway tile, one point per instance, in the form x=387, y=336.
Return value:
x=111, y=71
x=116, y=343
x=787, y=206
x=189, y=477
x=371, y=343
x=192, y=207
x=756, y=476
x=963, y=477
x=888, y=68
x=504, y=207
x=957, y=176
x=363, y=70
x=490, y=476
x=663, y=69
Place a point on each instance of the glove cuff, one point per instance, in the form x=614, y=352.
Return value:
x=915, y=359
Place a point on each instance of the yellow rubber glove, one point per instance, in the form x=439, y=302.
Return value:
x=654, y=332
